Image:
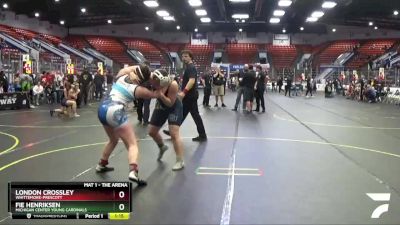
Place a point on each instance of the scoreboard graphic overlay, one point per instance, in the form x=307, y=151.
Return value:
x=70, y=200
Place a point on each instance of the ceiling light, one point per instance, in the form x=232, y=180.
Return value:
x=151, y=4
x=239, y=0
x=376, y=28
x=328, y=4
x=312, y=19
x=317, y=14
x=284, y=3
x=279, y=13
x=240, y=29
x=178, y=27
x=146, y=28
x=83, y=10
x=109, y=21
x=395, y=12
x=56, y=0
x=169, y=18
x=195, y=29
x=240, y=16
x=162, y=13
x=205, y=19
x=243, y=21
x=301, y=28
x=201, y=12
x=284, y=31
x=237, y=21
x=371, y=23
x=5, y=5
x=274, y=20
x=37, y=14
x=194, y=3
x=333, y=30
x=62, y=22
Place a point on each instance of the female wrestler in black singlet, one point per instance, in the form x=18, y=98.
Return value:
x=168, y=107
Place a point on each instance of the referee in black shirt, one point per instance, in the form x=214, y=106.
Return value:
x=189, y=95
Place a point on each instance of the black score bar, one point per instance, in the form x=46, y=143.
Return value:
x=85, y=216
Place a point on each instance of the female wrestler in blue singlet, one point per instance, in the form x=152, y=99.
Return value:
x=113, y=116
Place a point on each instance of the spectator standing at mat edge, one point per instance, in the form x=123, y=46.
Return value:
x=240, y=90
x=207, y=83
x=219, y=83
x=260, y=89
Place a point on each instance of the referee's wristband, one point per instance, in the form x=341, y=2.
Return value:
x=185, y=91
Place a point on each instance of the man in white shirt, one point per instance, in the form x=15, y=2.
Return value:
x=37, y=93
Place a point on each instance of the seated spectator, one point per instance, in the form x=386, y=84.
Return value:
x=17, y=83
x=38, y=92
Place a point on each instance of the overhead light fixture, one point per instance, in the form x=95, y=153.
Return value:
x=311, y=19
x=195, y=29
x=37, y=14
x=240, y=16
x=328, y=4
x=56, y=0
x=371, y=23
x=301, y=28
x=274, y=20
x=243, y=21
x=239, y=1
x=109, y=21
x=317, y=14
x=205, y=19
x=284, y=3
x=279, y=13
x=178, y=27
x=395, y=12
x=201, y=12
x=240, y=29
x=146, y=28
x=62, y=22
x=333, y=30
x=237, y=21
x=83, y=10
x=376, y=28
x=151, y=4
x=284, y=30
x=195, y=3
x=162, y=13
x=169, y=18
x=5, y=5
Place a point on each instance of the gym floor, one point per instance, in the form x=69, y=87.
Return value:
x=306, y=160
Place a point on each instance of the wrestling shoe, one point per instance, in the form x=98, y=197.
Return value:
x=179, y=165
x=102, y=169
x=134, y=177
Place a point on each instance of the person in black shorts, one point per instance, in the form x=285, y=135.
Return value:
x=168, y=107
x=189, y=95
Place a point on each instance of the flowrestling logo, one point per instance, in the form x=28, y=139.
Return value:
x=379, y=197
